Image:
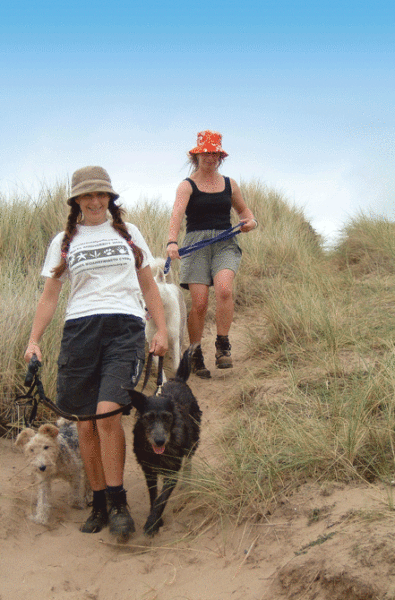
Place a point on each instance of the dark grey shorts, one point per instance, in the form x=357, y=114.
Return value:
x=99, y=355
x=202, y=265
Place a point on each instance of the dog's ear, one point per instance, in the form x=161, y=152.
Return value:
x=138, y=399
x=48, y=429
x=160, y=276
x=24, y=437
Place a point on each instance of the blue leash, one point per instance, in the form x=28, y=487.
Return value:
x=224, y=235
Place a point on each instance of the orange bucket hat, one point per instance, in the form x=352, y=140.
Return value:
x=208, y=141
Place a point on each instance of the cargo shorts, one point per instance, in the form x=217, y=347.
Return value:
x=99, y=355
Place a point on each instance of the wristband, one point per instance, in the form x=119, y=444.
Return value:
x=169, y=243
x=256, y=223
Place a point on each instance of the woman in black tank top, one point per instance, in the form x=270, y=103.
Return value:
x=206, y=199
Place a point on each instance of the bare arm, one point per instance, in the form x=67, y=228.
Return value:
x=154, y=305
x=245, y=214
x=45, y=311
x=183, y=195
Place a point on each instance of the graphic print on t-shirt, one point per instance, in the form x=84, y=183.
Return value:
x=93, y=255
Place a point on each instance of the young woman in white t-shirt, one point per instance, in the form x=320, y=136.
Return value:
x=102, y=347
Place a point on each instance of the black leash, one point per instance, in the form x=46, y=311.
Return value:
x=36, y=394
x=159, y=379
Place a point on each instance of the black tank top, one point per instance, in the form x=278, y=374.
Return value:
x=207, y=210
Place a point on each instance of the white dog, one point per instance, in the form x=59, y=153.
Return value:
x=52, y=453
x=175, y=311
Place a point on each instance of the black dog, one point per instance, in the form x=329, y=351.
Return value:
x=167, y=429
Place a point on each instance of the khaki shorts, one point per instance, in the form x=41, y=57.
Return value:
x=203, y=265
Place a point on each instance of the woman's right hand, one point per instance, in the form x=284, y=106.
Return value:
x=32, y=348
x=183, y=195
x=45, y=311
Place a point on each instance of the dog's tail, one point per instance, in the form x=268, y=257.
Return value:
x=184, y=368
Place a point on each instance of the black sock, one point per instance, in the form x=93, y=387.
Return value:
x=99, y=498
x=114, y=489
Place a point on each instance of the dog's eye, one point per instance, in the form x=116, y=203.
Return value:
x=149, y=417
x=46, y=447
x=167, y=417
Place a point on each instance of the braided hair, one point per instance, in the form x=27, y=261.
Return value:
x=119, y=225
x=75, y=217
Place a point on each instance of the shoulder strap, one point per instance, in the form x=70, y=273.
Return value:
x=193, y=184
x=228, y=187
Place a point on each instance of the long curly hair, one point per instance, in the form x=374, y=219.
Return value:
x=75, y=217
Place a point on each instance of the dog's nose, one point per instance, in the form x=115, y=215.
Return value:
x=42, y=467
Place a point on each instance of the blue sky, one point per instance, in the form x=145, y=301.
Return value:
x=303, y=93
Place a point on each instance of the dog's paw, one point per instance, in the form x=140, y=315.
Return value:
x=152, y=525
x=39, y=519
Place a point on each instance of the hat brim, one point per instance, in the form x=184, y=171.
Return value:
x=201, y=150
x=99, y=188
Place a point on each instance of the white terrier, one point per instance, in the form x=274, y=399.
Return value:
x=53, y=453
x=175, y=311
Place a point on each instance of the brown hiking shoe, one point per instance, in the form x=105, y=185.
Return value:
x=223, y=359
x=197, y=364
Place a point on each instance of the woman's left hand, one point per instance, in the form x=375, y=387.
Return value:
x=153, y=302
x=159, y=344
x=248, y=225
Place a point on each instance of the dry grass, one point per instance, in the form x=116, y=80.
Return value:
x=367, y=245
x=284, y=244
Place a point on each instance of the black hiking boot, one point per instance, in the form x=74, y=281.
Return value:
x=120, y=521
x=197, y=365
x=223, y=359
x=96, y=520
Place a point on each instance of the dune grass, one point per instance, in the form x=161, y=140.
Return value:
x=333, y=430
x=326, y=335
x=322, y=335
x=367, y=245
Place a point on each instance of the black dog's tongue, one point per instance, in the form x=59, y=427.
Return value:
x=158, y=449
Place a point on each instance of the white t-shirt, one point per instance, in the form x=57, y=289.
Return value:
x=101, y=269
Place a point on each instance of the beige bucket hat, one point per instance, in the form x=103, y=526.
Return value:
x=90, y=179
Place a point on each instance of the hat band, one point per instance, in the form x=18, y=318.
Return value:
x=88, y=187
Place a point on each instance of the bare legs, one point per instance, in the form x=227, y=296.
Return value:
x=197, y=315
x=102, y=446
x=223, y=286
